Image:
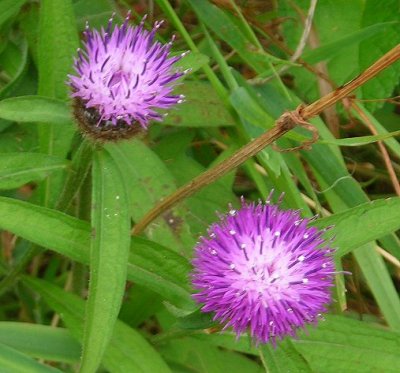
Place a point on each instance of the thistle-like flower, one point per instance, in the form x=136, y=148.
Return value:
x=264, y=270
x=123, y=78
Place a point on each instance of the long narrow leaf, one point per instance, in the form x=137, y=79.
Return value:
x=14, y=361
x=40, y=341
x=17, y=169
x=108, y=258
x=36, y=109
x=57, y=45
x=127, y=351
x=152, y=265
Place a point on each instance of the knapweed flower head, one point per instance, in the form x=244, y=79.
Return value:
x=264, y=270
x=123, y=78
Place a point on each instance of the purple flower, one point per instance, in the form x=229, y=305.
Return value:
x=264, y=270
x=123, y=78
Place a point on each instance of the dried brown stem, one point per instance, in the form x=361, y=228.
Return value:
x=306, y=32
x=250, y=18
x=284, y=124
x=325, y=86
x=318, y=106
x=382, y=148
x=295, y=56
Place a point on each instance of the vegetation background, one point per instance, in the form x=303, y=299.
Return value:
x=251, y=61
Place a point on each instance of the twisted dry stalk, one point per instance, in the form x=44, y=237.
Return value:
x=284, y=124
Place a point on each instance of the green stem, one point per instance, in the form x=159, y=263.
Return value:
x=80, y=167
x=225, y=69
x=249, y=31
x=212, y=77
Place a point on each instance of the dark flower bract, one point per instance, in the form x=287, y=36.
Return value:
x=265, y=270
x=124, y=77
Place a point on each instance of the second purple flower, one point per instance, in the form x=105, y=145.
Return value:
x=264, y=270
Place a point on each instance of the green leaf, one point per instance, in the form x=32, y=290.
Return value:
x=226, y=29
x=19, y=138
x=97, y=13
x=330, y=50
x=196, y=320
x=193, y=61
x=383, y=85
x=361, y=348
x=9, y=8
x=249, y=110
x=29, y=25
x=108, y=258
x=57, y=28
x=139, y=305
x=161, y=270
x=40, y=341
x=152, y=265
x=200, y=356
x=284, y=358
x=362, y=224
x=57, y=44
x=65, y=234
x=202, y=107
x=36, y=109
x=17, y=57
x=255, y=120
x=17, y=169
x=14, y=361
x=127, y=351
x=148, y=180
x=336, y=344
